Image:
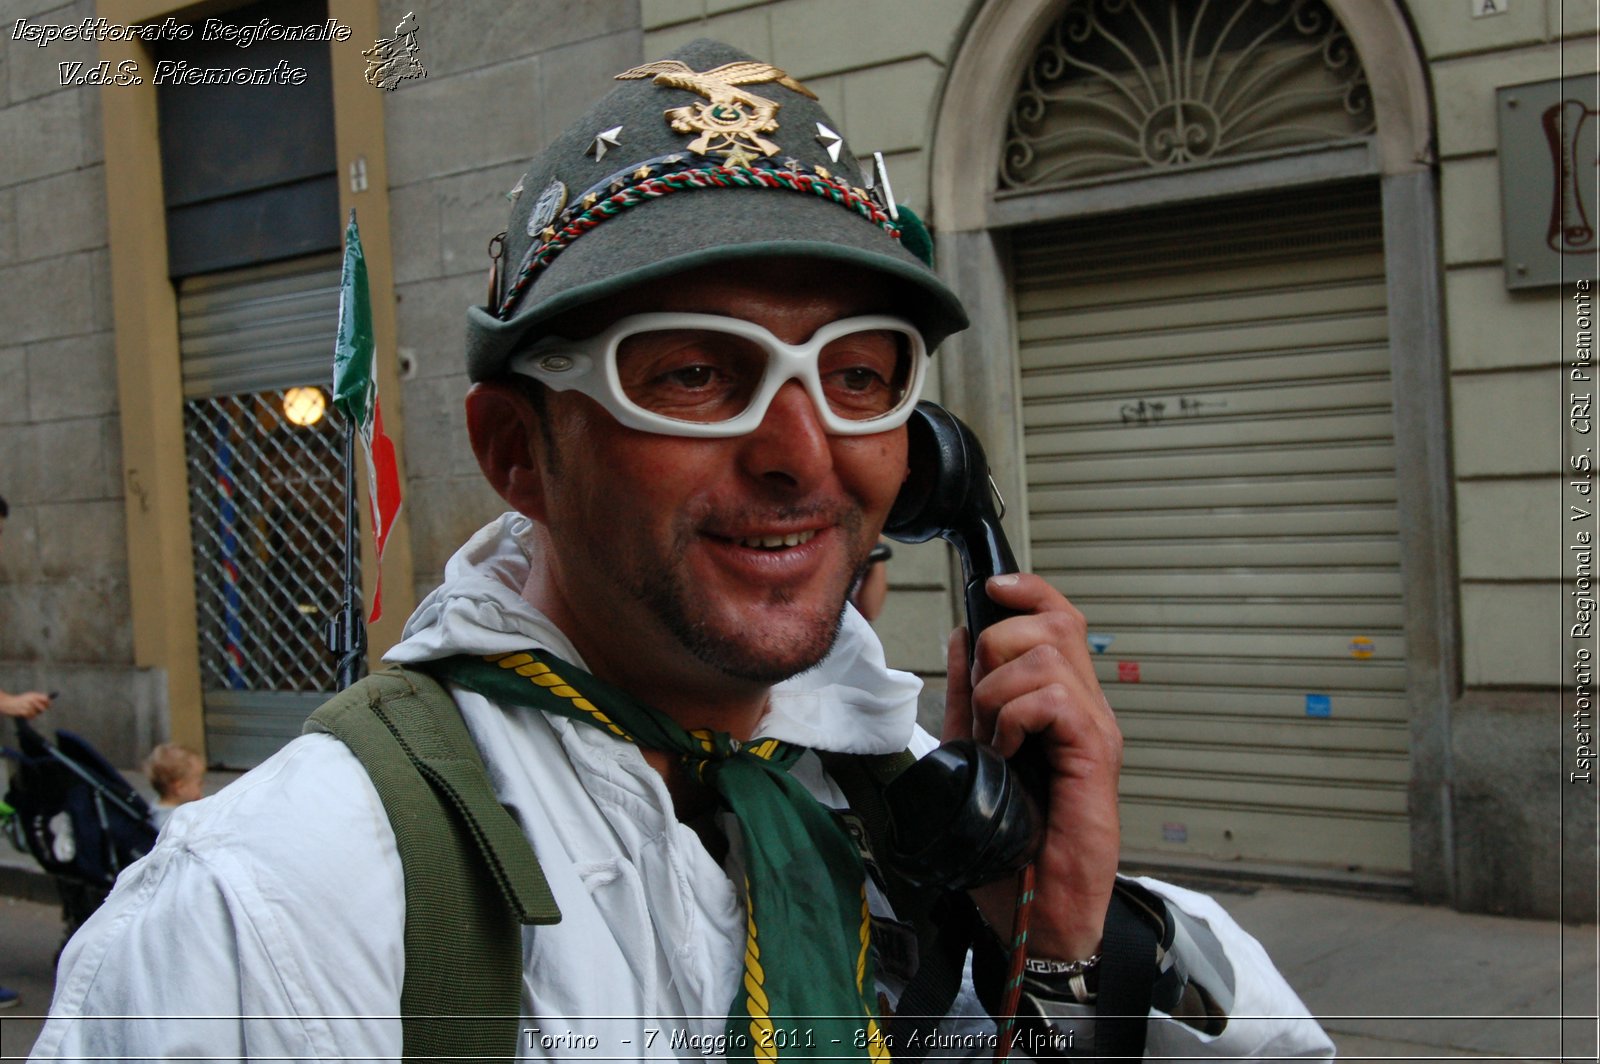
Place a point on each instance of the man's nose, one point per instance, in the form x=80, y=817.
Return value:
x=791, y=444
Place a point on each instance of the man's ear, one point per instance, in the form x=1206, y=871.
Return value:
x=504, y=428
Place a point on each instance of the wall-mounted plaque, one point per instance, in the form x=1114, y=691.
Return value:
x=1550, y=180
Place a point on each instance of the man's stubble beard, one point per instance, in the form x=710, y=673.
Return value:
x=665, y=593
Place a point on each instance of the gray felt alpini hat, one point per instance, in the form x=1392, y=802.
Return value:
x=705, y=156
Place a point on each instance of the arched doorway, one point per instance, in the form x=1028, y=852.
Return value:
x=1195, y=237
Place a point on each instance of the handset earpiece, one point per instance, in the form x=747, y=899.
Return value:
x=948, y=494
x=962, y=816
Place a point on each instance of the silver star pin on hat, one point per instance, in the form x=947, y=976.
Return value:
x=604, y=139
x=830, y=140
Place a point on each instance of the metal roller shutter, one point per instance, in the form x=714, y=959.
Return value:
x=266, y=496
x=259, y=328
x=1210, y=461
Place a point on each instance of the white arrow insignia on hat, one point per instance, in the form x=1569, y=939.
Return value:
x=830, y=140
x=603, y=140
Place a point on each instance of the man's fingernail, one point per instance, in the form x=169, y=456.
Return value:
x=1004, y=579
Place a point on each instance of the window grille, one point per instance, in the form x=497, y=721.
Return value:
x=266, y=499
x=1126, y=86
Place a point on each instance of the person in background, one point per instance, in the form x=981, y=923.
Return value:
x=178, y=774
x=24, y=706
x=872, y=587
x=28, y=704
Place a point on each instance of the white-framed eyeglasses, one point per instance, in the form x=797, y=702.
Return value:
x=709, y=375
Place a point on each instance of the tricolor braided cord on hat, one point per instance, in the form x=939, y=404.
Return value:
x=540, y=255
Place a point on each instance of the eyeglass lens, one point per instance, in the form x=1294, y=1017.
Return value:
x=707, y=376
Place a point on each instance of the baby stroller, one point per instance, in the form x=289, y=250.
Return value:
x=77, y=816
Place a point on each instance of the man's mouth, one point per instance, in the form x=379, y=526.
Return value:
x=778, y=542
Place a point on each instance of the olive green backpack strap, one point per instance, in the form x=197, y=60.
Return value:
x=471, y=878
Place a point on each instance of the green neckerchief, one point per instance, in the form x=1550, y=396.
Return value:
x=808, y=961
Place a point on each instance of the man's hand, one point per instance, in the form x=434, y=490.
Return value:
x=1033, y=676
x=27, y=705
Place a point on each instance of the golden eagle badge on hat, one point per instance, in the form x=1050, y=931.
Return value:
x=737, y=117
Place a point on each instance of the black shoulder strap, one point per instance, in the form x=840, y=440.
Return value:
x=945, y=922
x=471, y=878
x=1129, y=968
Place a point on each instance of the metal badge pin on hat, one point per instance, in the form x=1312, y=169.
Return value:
x=732, y=119
x=546, y=207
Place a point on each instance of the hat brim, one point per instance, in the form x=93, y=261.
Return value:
x=668, y=236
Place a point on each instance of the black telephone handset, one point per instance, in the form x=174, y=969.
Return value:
x=962, y=815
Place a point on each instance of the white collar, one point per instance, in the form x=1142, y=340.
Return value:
x=851, y=702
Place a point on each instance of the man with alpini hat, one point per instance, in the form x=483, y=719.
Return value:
x=705, y=330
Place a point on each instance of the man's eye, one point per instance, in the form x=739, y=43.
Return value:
x=691, y=376
x=859, y=378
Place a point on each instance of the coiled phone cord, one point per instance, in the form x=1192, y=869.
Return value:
x=1012, y=998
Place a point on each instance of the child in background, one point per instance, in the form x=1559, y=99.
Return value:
x=178, y=774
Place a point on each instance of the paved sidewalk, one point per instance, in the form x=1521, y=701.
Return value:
x=30, y=931
x=1390, y=980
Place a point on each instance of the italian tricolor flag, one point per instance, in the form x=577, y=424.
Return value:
x=355, y=394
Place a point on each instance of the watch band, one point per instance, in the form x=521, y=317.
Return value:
x=1062, y=980
x=1041, y=966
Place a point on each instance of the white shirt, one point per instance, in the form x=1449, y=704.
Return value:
x=269, y=919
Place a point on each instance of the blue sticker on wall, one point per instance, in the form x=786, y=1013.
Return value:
x=1099, y=642
x=1319, y=706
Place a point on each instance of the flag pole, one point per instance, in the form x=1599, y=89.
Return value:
x=347, y=633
